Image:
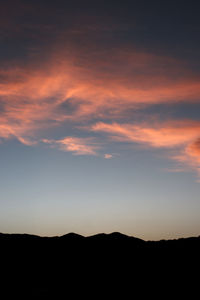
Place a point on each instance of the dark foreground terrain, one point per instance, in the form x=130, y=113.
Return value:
x=109, y=264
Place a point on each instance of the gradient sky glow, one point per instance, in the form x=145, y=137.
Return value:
x=100, y=117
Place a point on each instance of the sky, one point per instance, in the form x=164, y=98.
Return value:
x=100, y=117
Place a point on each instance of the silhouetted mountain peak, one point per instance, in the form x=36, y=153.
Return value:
x=118, y=235
x=72, y=236
x=109, y=235
x=114, y=237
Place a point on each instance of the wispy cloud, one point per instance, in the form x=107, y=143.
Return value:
x=78, y=146
x=33, y=97
x=108, y=156
x=183, y=136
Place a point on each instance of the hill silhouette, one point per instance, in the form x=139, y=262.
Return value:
x=68, y=263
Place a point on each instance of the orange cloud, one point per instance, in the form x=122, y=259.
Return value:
x=194, y=150
x=79, y=146
x=171, y=134
x=90, y=87
x=108, y=156
x=181, y=135
x=190, y=155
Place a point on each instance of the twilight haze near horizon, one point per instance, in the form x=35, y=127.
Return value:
x=100, y=117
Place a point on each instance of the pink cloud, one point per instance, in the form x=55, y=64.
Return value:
x=183, y=136
x=170, y=134
x=96, y=87
x=108, y=156
x=79, y=146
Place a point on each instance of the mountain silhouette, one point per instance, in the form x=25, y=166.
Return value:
x=72, y=262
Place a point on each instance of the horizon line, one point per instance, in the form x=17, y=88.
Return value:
x=97, y=234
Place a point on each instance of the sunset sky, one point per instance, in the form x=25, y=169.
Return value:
x=100, y=117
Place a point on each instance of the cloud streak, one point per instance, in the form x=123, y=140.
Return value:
x=78, y=146
x=32, y=97
x=183, y=136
